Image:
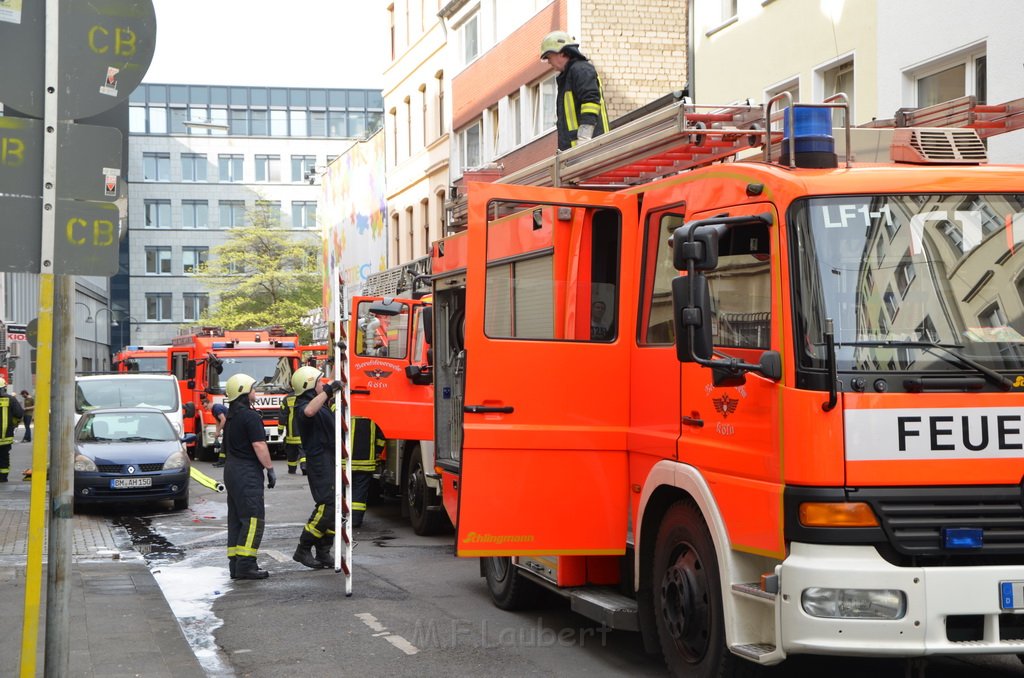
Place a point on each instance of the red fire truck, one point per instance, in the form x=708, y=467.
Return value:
x=751, y=409
x=206, y=358
x=141, y=359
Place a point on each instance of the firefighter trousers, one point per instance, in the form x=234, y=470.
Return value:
x=321, y=486
x=246, y=512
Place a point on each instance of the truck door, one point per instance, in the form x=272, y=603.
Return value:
x=383, y=348
x=544, y=420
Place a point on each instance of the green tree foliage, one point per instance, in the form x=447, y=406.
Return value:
x=265, y=275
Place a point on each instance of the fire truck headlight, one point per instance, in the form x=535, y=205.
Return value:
x=854, y=603
x=175, y=461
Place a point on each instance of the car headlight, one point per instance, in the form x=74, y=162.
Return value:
x=84, y=463
x=175, y=461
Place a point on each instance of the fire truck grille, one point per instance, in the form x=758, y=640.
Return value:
x=914, y=519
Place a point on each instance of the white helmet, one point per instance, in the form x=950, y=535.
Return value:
x=304, y=379
x=238, y=384
x=556, y=41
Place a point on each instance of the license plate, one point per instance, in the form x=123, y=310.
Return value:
x=1011, y=595
x=128, y=483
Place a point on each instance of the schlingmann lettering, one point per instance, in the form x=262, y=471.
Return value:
x=477, y=538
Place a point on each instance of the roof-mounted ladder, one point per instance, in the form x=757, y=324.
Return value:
x=987, y=120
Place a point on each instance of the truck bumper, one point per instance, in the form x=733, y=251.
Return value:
x=273, y=437
x=949, y=610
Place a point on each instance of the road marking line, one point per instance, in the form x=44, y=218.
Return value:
x=276, y=555
x=382, y=632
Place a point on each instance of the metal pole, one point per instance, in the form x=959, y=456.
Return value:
x=96, y=341
x=58, y=571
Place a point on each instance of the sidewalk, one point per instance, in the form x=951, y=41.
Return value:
x=120, y=625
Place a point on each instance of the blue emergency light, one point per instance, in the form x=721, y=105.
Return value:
x=222, y=344
x=963, y=537
x=813, y=142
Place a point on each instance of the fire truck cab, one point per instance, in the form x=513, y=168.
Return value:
x=204, y=360
x=750, y=409
x=141, y=359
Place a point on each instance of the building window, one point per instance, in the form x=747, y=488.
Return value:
x=196, y=304
x=194, y=258
x=469, y=147
x=302, y=167
x=494, y=133
x=239, y=123
x=469, y=36
x=892, y=306
x=268, y=168
x=195, y=214
x=157, y=120
x=952, y=79
x=543, y=102
x=232, y=213
x=926, y=330
x=230, y=168
x=156, y=166
x=440, y=105
x=137, y=119
x=304, y=214
x=515, y=119
x=905, y=274
x=158, y=261
x=268, y=213
x=158, y=306
x=158, y=213
x=193, y=167
x=298, y=123
x=836, y=80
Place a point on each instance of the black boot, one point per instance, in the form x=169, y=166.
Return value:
x=232, y=568
x=219, y=463
x=304, y=551
x=323, y=552
x=3, y=477
x=246, y=568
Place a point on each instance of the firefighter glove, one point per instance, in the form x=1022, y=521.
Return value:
x=585, y=133
x=271, y=478
x=332, y=388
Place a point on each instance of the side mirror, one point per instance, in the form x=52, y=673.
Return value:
x=692, y=320
x=428, y=325
x=190, y=370
x=188, y=438
x=421, y=375
x=191, y=383
x=189, y=410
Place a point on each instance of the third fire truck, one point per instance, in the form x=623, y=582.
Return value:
x=205, y=359
x=750, y=409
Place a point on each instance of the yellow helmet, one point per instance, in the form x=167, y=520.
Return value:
x=555, y=41
x=304, y=379
x=238, y=384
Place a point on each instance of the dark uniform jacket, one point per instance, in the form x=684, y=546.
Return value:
x=244, y=427
x=580, y=101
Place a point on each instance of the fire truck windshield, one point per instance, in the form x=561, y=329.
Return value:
x=898, y=273
x=273, y=374
x=158, y=364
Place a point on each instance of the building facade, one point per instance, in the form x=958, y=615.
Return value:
x=202, y=159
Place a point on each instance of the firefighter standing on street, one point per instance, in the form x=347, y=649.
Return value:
x=579, y=105
x=248, y=456
x=10, y=416
x=315, y=424
x=292, y=442
x=367, y=445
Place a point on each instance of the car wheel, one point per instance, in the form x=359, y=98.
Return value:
x=509, y=589
x=181, y=503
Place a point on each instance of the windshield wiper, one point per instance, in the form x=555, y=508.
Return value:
x=938, y=349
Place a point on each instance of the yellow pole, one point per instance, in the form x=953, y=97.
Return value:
x=37, y=512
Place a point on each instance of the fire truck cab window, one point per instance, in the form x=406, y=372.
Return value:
x=552, y=272
x=658, y=328
x=740, y=289
x=384, y=335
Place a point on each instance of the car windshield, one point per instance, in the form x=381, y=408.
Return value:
x=898, y=274
x=107, y=427
x=273, y=374
x=91, y=394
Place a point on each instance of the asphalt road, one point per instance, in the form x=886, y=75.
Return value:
x=415, y=610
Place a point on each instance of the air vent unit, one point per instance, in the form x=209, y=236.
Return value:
x=937, y=146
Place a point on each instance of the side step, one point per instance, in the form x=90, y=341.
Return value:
x=754, y=591
x=607, y=606
x=756, y=652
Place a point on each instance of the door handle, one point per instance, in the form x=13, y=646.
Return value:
x=693, y=421
x=484, y=409
x=360, y=391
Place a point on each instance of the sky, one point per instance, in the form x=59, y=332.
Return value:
x=282, y=43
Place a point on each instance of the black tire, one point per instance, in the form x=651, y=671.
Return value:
x=509, y=589
x=181, y=503
x=419, y=497
x=688, y=599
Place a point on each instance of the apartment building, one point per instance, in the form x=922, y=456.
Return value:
x=201, y=160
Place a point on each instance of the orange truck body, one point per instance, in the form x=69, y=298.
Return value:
x=870, y=509
x=391, y=383
x=141, y=359
x=266, y=355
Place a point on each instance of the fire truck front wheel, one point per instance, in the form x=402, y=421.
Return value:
x=421, y=499
x=509, y=589
x=688, y=599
